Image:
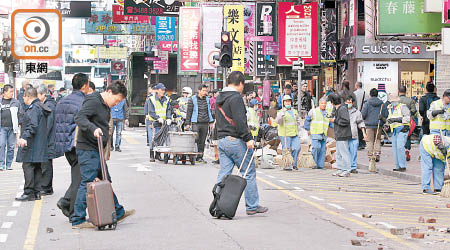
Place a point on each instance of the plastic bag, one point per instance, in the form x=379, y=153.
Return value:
x=304, y=137
x=161, y=137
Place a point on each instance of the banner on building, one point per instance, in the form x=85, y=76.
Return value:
x=163, y=64
x=298, y=33
x=348, y=28
x=112, y=52
x=74, y=9
x=120, y=17
x=212, y=28
x=152, y=7
x=100, y=22
x=165, y=28
x=189, y=40
x=266, y=20
x=446, y=12
x=381, y=72
x=169, y=46
x=328, y=42
x=235, y=25
x=408, y=16
x=249, y=33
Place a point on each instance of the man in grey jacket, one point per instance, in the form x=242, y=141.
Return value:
x=11, y=111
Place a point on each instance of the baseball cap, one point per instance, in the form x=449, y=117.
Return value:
x=160, y=86
x=253, y=102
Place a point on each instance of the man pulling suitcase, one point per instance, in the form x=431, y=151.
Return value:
x=235, y=141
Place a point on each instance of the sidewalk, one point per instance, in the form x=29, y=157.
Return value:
x=387, y=163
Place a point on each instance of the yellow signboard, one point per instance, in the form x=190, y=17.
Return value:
x=112, y=52
x=235, y=25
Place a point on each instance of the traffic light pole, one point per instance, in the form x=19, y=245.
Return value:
x=299, y=96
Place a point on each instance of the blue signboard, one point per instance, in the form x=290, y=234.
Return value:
x=165, y=28
x=100, y=22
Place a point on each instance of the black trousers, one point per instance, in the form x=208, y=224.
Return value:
x=362, y=143
x=71, y=194
x=202, y=132
x=33, y=173
x=47, y=176
x=426, y=127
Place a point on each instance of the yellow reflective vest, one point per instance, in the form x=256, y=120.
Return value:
x=253, y=120
x=160, y=109
x=289, y=126
x=431, y=148
x=438, y=121
x=319, y=123
x=396, y=114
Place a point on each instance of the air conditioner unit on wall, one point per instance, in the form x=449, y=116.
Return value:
x=433, y=6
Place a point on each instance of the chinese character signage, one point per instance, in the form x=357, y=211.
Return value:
x=328, y=42
x=100, y=22
x=408, y=16
x=165, y=28
x=152, y=7
x=112, y=52
x=212, y=28
x=120, y=17
x=298, y=33
x=261, y=61
x=266, y=17
x=74, y=9
x=249, y=33
x=235, y=25
x=162, y=65
x=445, y=12
x=189, y=39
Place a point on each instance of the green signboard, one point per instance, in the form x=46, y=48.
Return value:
x=406, y=17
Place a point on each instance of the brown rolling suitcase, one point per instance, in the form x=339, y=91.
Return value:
x=100, y=198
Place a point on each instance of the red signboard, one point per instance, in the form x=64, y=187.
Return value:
x=445, y=12
x=120, y=17
x=189, y=39
x=161, y=65
x=298, y=33
x=166, y=46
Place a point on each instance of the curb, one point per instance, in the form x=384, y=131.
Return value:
x=400, y=175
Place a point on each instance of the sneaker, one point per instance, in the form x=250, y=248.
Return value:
x=127, y=213
x=377, y=158
x=287, y=169
x=83, y=225
x=399, y=169
x=216, y=162
x=201, y=160
x=118, y=149
x=44, y=193
x=428, y=191
x=258, y=210
x=354, y=171
x=344, y=174
x=337, y=172
x=316, y=167
x=64, y=208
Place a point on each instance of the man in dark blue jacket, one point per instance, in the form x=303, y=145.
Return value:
x=119, y=114
x=33, y=145
x=65, y=112
x=47, y=167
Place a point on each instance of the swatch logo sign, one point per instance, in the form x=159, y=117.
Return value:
x=36, y=34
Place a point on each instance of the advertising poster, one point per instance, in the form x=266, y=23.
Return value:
x=249, y=33
x=152, y=7
x=349, y=30
x=328, y=42
x=189, y=39
x=265, y=13
x=120, y=17
x=235, y=25
x=100, y=22
x=381, y=72
x=212, y=28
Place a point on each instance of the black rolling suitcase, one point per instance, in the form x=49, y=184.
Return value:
x=228, y=192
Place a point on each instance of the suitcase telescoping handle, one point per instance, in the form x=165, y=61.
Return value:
x=249, y=163
x=102, y=157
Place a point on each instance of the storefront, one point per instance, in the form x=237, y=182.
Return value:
x=393, y=64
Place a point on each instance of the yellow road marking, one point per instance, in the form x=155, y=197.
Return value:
x=130, y=140
x=358, y=222
x=30, y=240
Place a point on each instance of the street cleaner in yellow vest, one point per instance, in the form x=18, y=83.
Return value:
x=159, y=113
x=288, y=120
x=398, y=121
x=439, y=115
x=434, y=150
x=253, y=118
x=317, y=124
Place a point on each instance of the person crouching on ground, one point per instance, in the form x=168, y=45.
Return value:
x=287, y=120
x=33, y=145
x=93, y=122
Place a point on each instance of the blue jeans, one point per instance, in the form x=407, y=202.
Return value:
x=431, y=167
x=318, y=151
x=231, y=153
x=89, y=161
x=118, y=127
x=152, y=132
x=293, y=144
x=353, y=145
x=342, y=156
x=398, y=146
x=7, y=142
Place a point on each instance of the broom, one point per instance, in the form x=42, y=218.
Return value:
x=372, y=164
x=287, y=159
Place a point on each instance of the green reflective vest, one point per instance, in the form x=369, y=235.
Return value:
x=289, y=126
x=396, y=114
x=438, y=121
x=319, y=123
x=160, y=109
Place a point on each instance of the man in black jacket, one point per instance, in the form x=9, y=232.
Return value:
x=424, y=104
x=93, y=122
x=47, y=167
x=33, y=145
x=235, y=139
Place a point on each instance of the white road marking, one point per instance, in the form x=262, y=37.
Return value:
x=3, y=237
x=336, y=206
x=299, y=189
x=6, y=225
x=389, y=226
x=259, y=172
x=16, y=203
x=11, y=213
x=143, y=168
x=357, y=215
x=284, y=182
x=270, y=176
x=316, y=198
